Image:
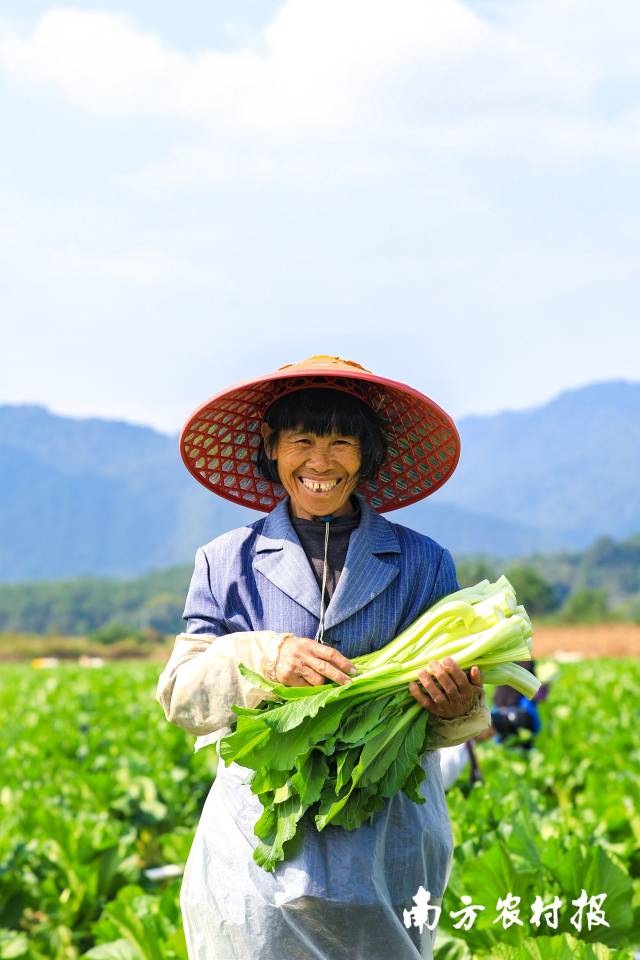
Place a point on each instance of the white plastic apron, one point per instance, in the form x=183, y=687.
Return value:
x=234, y=910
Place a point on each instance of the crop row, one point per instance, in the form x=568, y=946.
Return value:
x=97, y=789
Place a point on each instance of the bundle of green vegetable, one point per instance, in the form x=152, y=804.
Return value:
x=340, y=751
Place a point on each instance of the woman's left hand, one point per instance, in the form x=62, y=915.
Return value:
x=445, y=690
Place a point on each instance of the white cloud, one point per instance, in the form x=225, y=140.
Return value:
x=96, y=60
x=434, y=72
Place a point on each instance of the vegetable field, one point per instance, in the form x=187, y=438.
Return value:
x=97, y=789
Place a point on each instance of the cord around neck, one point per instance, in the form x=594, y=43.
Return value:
x=320, y=632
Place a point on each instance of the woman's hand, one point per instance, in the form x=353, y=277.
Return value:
x=445, y=690
x=302, y=662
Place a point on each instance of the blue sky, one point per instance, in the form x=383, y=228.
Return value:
x=446, y=192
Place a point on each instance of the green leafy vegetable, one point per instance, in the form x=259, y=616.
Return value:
x=340, y=751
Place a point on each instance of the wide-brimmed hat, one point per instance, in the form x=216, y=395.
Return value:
x=220, y=440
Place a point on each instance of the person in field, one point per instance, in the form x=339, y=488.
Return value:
x=324, y=448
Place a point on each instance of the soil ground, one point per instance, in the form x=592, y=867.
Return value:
x=597, y=640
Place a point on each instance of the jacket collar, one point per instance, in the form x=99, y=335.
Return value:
x=368, y=568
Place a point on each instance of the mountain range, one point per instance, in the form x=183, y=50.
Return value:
x=103, y=497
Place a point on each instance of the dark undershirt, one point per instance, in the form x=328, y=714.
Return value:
x=311, y=535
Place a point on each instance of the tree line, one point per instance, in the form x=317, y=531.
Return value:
x=600, y=584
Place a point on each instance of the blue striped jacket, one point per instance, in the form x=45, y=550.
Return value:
x=258, y=578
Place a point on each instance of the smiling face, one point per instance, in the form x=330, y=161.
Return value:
x=318, y=473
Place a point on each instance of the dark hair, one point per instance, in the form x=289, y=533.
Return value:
x=322, y=411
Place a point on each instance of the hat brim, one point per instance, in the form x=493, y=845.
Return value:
x=220, y=440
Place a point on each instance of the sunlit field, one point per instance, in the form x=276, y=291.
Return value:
x=98, y=790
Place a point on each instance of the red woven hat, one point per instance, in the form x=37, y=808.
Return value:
x=219, y=441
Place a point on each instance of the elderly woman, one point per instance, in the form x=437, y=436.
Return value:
x=324, y=447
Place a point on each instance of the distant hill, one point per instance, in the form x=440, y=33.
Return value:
x=100, y=497
x=81, y=497
x=568, y=468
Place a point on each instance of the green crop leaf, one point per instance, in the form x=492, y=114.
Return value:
x=364, y=721
x=116, y=950
x=451, y=948
x=310, y=777
x=406, y=758
x=563, y=947
x=593, y=869
x=412, y=783
x=344, y=763
x=267, y=780
x=288, y=716
x=13, y=945
x=361, y=805
x=379, y=753
x=276, y=826
x=258, y=681
x=131, y=917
